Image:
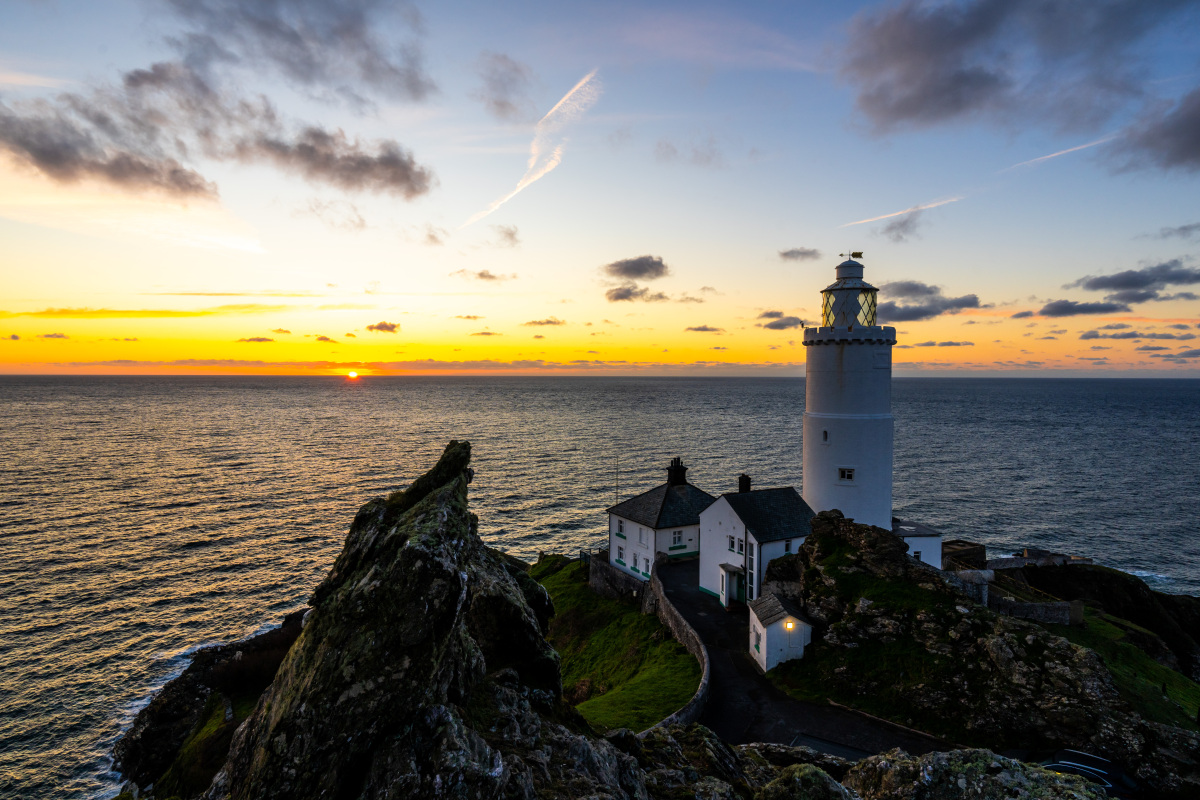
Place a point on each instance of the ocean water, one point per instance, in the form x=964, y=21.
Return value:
x=142, y=518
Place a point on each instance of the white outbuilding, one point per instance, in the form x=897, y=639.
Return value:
x=665, y=519
x=778, y=631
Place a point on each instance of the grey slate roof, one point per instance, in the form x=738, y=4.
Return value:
x=665, y=506
x=770, y=607
x=773, y=514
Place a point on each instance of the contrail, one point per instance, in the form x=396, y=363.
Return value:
x=1039, y=159
x=905, y=211
x=545, y=153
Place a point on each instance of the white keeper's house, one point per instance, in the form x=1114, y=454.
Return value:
x=847, y=465
x=665, y=519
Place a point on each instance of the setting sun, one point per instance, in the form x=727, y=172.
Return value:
x=352, y=375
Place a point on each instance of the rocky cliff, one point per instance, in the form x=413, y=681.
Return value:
x=896, y=640
x=421, y=671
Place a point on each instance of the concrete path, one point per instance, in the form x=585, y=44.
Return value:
x=743, y=706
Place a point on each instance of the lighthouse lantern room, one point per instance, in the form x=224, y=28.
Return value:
x=848, y=403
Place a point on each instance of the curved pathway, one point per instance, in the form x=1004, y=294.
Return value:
x=743, y=706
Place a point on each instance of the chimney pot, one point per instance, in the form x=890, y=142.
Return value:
x=743, y=482
x=677, y=472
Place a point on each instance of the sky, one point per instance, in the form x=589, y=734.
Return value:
x=322, y=186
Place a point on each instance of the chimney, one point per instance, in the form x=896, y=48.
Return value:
x=677, y=472
x=743, y=482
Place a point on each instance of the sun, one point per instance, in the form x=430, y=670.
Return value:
x=352, y=375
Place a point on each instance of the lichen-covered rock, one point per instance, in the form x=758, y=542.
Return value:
x=804, y=782
x=975, y=774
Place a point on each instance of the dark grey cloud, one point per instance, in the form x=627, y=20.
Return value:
x=642, y=268
x=902, y=228
x=507, y=235
x=1168, y=138
x=505, y=90
x=705, y=329
x=1151, y=348
x=783, y=324
x=770, y=315
x=955, y=344
x=53, y=336
x=280, y=330
x=1072, y=308
x=1179, y=326
x=544, y=322
x=631, y=292
x=140, y=132
x=924, y=302
x=256, y=339
x=1086, y=335
x=800, y=254
x=12, y=337
x=383, y=326
x=1116, y=326
x=324, y=45
x=1190, y=231
x=1134, y=286
x=1180, y=356
x=326, y=339
x=1073, y=64
x=1022, y=315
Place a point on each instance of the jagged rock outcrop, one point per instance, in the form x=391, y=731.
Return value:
x=422, y=672
x=892, y=634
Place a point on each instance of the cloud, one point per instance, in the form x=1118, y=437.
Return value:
x=1179, y=326
x=1166, y=138
x=903, y=228
x=783, y=324
x=350, y=335
x=911, y=210
x=642, y=268
x=486, y=333
x=319, y=44
x=1071, y=308
x=12, y=337
x=468, y=316
x=925, y=302
x=546, y=150
x=1116, y=326
x=482, y=275
x=1190, y=231
x=705, y=329
x=505, y=90
x=53, y=336
x=1149, y=348
x=1022, y=315
x=325, y=339
x=538, y=336
x=800, y=254
x=547, y=321
x=955, y=344
x=1142, y=285
x=280, y=330
x=384, y=326
x=1135, y=335
x=256, y=339
x=337, y=214
x=507, y=235
x=770, y=315
x=435, y=236
x=631, y=292
x=1069, y=65
x=698, y=154
x=1180, y=356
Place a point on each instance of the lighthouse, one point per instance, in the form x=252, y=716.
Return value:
x=848, y=403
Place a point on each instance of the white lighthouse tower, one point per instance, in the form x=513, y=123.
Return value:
x=848, y=403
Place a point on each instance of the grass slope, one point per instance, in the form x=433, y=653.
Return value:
x=1139, y=678
x=620, y=667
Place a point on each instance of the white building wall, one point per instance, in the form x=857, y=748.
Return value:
x=775, y=643
x=624, y=550
x=772, y=551
x=929, y=548
x=848, y=422
x=717, y=524
x=690, y=546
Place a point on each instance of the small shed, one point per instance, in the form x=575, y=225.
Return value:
x=778, y=631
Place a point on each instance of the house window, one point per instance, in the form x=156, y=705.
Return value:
x=917, y=555
x=741, y=544
x=722, y=584
x=620, y=526
x=749, y=570
x=620, y=553
x=641, y=535
x=787, y=545
x=824, y=436
x=730, y=543
x=846, y=474
x=677, y=538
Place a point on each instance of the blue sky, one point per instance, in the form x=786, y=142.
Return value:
x=1005, y=151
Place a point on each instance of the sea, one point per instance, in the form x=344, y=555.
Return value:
x=142, y=518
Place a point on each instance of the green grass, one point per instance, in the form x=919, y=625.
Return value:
x=620, y=667
x=1139, y=677
x=203, y=752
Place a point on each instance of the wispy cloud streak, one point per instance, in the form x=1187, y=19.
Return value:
x=545, y=153
x=1040, y=159
x=905, y=211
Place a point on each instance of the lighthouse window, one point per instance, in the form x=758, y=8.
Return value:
x=824, y=436
x=787, y=545
x=846, y=474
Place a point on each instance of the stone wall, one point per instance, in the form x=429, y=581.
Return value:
x=615, y=584
x=1060, y=613
x=656, y=602
x=1016, y=562
x=971, y=582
